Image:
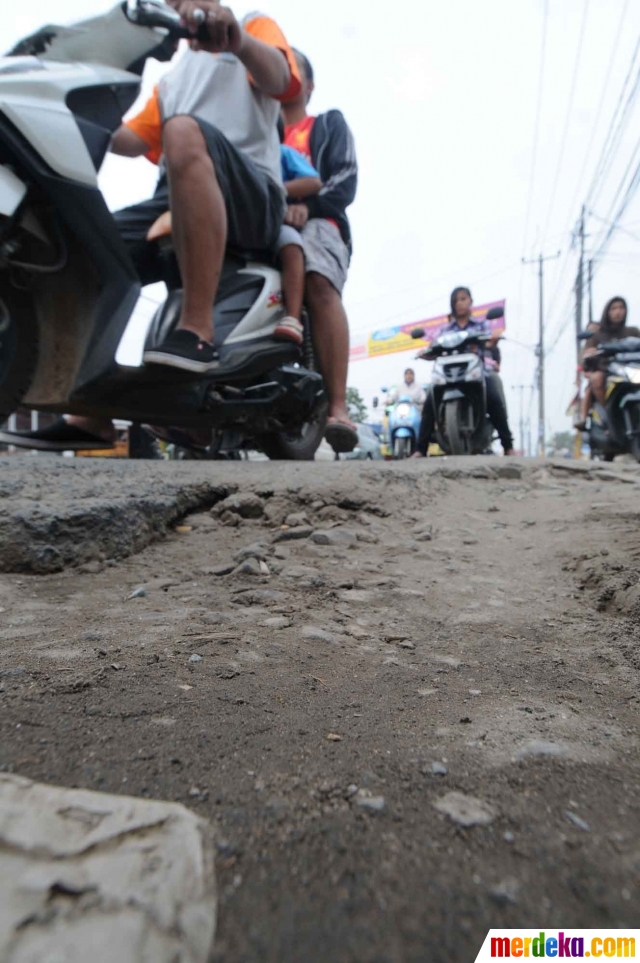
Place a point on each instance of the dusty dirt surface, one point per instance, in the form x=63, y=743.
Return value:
x=410, y=715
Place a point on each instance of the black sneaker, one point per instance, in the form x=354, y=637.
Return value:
x=184, y=349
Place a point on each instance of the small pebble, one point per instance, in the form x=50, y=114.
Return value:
x=195, y=658
x=138, y=593
x=439, y=769
x=580, y=823
x=374, y=804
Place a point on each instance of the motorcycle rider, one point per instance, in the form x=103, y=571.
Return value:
x=213, y=118
x=410, y=389
x=461, y=319
x=613, y=327
x=327, y=143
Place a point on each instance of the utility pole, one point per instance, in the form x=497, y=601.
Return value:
x=590, y=291
x=540, y=260
x=579, y=305
x=580, y=276
x=521, y=389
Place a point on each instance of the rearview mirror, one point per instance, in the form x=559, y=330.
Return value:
x=494, y=313
x=417, y=334
x=374, y=403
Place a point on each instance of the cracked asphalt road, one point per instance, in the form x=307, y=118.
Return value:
x=405, y=696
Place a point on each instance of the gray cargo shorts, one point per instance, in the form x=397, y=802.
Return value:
x=325, y=252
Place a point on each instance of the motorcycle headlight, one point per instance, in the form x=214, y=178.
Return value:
x=438, y=376
x=403, y=411
x=633, y=374
x=474, y=373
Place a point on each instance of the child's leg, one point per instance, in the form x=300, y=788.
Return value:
x=293, y=276
x=292, y=261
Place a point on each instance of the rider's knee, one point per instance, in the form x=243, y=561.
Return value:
x=319, y=290
x=183, y=143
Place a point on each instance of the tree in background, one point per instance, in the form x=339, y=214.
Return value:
x=356, y=405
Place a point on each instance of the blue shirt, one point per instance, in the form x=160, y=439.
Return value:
x=294, y=165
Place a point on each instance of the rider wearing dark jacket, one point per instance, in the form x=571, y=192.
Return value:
x=332, y=149
x=460, y=320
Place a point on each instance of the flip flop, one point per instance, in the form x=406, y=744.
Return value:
x=342, y=438
x=60, y=436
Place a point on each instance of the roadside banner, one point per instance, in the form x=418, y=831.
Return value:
x=398, y=338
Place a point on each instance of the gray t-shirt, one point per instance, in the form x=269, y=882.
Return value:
x=216, y=88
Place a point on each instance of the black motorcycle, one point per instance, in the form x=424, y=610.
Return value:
x=614, y=428
x=459, y=389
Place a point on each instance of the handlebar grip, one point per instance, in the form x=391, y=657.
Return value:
x=152, y=15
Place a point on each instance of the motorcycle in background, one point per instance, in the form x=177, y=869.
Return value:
x=458, y=382
x=403, y=426
x=614, y=428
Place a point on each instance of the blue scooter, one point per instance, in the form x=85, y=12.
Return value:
x=403, y=426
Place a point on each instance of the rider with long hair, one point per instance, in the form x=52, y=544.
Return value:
x=461, y=319
x=613, y=327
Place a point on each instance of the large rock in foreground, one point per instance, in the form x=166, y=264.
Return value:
x=87, y=877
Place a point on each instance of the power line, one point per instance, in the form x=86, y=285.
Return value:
x=624, y=180
x=624, y=230
x=536, y=126
x=607, y=154
x=603, y=94
x=620, y=116
x=567, y=122
x=626, y=200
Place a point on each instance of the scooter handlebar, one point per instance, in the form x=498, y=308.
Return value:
x=152, y=13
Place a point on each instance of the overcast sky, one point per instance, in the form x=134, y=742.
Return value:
x=442, y=100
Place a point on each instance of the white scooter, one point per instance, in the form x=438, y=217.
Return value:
x=68, y=286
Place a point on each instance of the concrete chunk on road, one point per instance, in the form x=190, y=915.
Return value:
x=86, y=876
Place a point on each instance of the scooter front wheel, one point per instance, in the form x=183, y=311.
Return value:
x=402, y=448
x=18, y=345
x=453, y=414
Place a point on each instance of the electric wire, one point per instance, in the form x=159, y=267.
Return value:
x=567, y=122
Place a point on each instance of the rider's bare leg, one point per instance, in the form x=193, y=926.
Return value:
x=199, y=221
x=292, y=262
x=330, y=333
x=585, y=405
x=598, y=385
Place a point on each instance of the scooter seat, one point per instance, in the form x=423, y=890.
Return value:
x=161, y=229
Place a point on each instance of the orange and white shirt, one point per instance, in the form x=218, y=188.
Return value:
x=217, y=89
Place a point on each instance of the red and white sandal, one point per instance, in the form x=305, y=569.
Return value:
x=289, y=329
